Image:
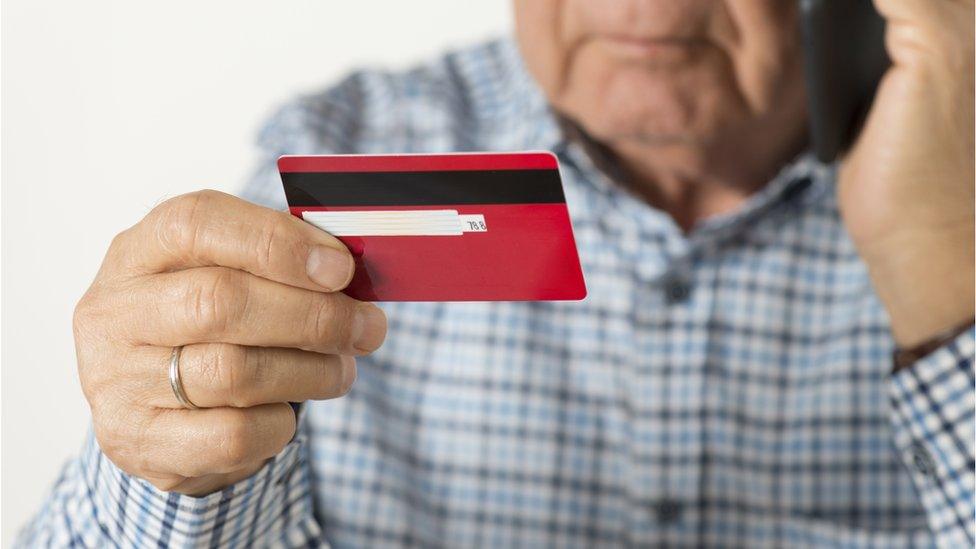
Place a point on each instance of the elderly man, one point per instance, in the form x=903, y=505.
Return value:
x=728, y=382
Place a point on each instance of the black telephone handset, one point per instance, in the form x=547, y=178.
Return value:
x=845, y=57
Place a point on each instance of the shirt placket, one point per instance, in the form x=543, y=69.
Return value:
x=670, y=315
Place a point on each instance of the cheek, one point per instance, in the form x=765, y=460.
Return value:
x=766, y=56
x=539, y=39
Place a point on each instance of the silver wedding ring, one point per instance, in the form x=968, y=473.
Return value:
x=174, y=379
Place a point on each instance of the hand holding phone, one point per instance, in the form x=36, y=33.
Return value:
x=905, y=186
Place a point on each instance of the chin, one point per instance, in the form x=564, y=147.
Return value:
x=650, y=106
x=644, y=126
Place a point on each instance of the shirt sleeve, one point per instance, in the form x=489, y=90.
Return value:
x=933, y=407
x=96, y=504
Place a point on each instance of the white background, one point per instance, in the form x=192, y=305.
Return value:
x=111, y=106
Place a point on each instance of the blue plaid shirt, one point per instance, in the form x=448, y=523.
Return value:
x=730, y=387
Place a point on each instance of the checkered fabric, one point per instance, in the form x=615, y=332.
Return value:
x=730, y=387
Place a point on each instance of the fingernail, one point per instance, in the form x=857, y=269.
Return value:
x=368, y=328
x=329, y=267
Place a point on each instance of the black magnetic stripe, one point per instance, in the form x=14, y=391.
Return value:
x=423, y=188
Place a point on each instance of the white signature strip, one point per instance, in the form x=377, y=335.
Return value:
x=396, y=222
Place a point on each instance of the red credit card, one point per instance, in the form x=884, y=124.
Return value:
x=443, y=227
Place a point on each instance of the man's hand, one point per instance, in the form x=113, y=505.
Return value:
x=252, y=294
x=906, y=189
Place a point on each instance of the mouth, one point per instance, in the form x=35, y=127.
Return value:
x=663, y=50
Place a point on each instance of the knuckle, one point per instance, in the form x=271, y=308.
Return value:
x=172, y=221
x=93, y=315
x=177, y=222
x=95, y=382
x=119, y=438
x=229, y=373
x=97, y=365
x=236, y=442
x=91, y=387
x=119, y=243
x=276, y=241
x=93, y=307
x=327, y=320
x=338, y=379
x=82, y=316
x=215, y=299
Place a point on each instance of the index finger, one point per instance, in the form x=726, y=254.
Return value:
x=210, y=228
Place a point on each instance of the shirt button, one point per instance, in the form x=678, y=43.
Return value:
x=668, y=510
x=676, y=289
x=922, y=460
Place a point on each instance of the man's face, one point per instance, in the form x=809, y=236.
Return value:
x=687, y=72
